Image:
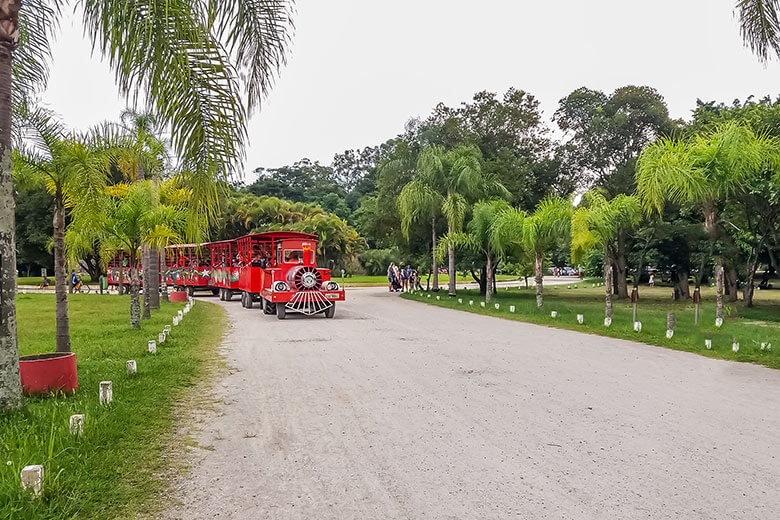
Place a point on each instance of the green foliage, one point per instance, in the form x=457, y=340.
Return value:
x=598, y=222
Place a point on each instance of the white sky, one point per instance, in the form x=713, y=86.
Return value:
x=359, y=69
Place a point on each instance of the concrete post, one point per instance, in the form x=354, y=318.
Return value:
x=32, y=479
x=161, y=338
x=580, y=319
x=554, y=314
x=152, y=346
x=106, y=392
x=131, y=367
x=708, y=344
x=76, y=424
x=511, y=308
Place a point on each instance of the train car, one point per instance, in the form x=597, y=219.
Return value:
x=279, y=270
x=224, y=268
x=189, y=268
x=118, y=270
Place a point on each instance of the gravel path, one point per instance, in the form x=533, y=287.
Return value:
x=397, y=409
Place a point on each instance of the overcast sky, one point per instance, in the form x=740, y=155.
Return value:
x=359, y=69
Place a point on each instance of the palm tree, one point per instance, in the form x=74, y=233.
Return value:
x=703, y=171
x=758, y=24
x=446, y=183
x=598, y=223
x=481, y=236
x=538, y=233
x=191, y=59
x=128, y=223
x=70, y=169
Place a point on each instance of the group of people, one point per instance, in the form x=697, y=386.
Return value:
x=402, y=278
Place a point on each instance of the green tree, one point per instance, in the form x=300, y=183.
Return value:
x=192, y=59
x=599, y=223
x=72, y=170
x=704, y=171
x=480, y=237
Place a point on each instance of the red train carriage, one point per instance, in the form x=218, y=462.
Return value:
x=279, y=270
x=189, y=268
x=224, y=268
x=118, y=270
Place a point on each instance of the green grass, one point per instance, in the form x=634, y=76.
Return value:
x=382, y=279
x=750, y=326
x=112, y=471
x=38, y=280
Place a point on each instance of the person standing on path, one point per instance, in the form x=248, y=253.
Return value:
x=390, y=275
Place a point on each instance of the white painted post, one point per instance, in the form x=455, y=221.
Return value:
x=152, y=347
x=554, y=314
x=76, y=424
x=438, y=297
x=718, y=322
x=511, y=308
x=429, y=296
x=669, y=333
x=607, y=321
x=497, y=305
x=763, y=345
x=167, y=329
x=471, y=302
x=161, y=338
x=175, y=321
x=708, y=344
x=482, y=304
x=460, y=300
x=637, y=326
x=106, y=392
x=32, y=479
x=131, y=367
x=181, y=315
x=734, y=345
x=580, y=319
x=768, y=347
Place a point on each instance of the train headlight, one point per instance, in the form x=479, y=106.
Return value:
x=332, y=286
x=281, y=287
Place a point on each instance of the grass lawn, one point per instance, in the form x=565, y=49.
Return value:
x=38, y=280
x=366, y=280
x=750, y=326
x=113, y=469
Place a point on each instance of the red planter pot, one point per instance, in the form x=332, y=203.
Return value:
x=44, y=373
x=178, y=296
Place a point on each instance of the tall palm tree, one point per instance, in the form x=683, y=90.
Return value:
x=191, y=59
x=598, y=223
x=481, y=237
x=538, y=233
x=759, y=24
x=446, y=183
x=70, y=169
x=703, y=171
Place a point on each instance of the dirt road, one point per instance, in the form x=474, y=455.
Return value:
x=396, y=409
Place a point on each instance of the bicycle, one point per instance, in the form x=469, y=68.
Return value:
x=82, y=288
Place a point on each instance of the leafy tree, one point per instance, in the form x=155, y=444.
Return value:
x=192, y=59
x=34, y=217
x=607, y=133
x=71, y=170
x=599, y=223
x=704, y=171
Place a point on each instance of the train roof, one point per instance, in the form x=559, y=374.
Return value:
x=279, y=235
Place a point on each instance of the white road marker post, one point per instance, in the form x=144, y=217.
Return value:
x=106, y=392
x=669, y=325
x=460, y=300
x=511, y=308
x=32, y=479
x=734, y=345
x=181, y=315
x=637, y=326
x=152, y=346
x=161, y=338
x=580, y=319
x=131, y=367
x=471, y=302
x=708, y=344
x=607, y=321
x=482, y=304
x=497, y=306
x=167, y=329
x=718, y=322
x=76, y=424
x=554, y=314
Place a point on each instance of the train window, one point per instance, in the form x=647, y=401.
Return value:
x=293, y=256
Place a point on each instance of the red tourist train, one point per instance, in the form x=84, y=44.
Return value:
x=277, y=269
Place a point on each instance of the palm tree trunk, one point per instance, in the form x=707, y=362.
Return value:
x=147, y=315
x=685, y=290
x=607, y=288
x=712, y=231
x=451, y=269
x=731, y=284
x=154, y=264
x=622, y=266
x=60, y=274
x=488, y=278
x=10, y=384
x=135, y=303
x=163, y=277
x=434, y=263
x=539, y=279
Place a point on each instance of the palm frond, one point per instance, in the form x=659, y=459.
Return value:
x=759, y=26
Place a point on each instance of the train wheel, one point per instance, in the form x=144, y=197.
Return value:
x=228, y=295
x=249, y=302
x=222, y=294
x=215, y=291
x=330, y=311
x=268, y=307
x=281, y=311
x=191, y=290
x=243, y=299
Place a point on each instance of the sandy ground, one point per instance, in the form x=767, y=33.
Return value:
x=397, y=409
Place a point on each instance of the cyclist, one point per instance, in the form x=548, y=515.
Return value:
x=74, y=281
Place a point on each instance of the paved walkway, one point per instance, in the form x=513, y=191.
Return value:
x=397, y=409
